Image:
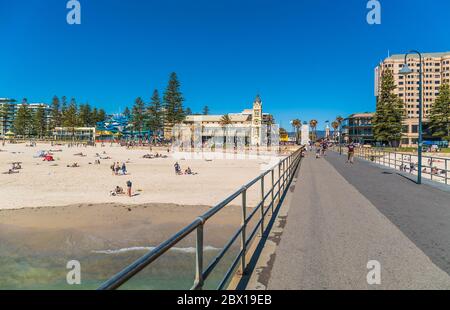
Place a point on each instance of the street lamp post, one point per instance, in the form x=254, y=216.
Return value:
x=405, y=71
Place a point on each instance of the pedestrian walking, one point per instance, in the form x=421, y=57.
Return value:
x=351, y=153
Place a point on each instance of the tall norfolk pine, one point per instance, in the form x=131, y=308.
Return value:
x=440, y=114
x=155, y=120
x=387, y=122
x=173, y=102
x=138, y=115
x=23, y=121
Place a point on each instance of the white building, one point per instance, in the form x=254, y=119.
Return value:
x=251, y=120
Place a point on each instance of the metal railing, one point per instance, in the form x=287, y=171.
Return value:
x=286, y=169
x=433, y=168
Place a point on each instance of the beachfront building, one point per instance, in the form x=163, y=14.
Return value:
x=77, y=134
x=250, y=119
x=7, y=115
x=436, y=71
x=114, y=127
x=358, y=128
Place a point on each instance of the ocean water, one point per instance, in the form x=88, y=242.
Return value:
x=44, y=271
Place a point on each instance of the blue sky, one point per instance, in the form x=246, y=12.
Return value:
x=307, y=58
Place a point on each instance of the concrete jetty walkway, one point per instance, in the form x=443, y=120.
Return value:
x=340, y=217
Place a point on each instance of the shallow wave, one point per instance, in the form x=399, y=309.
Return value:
x=139, y=248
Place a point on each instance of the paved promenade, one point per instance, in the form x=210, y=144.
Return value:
x=340, y=217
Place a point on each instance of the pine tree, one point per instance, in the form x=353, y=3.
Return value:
x=71, y=120
x=55, y=114
x=63, y=110
x=138, y=115
x=387, y=122
x=84, y=115
x=40, y=122
x=101, y=116
x=440, y=114
x=5, y=116
x=155, y=121
x=205, y=110
x=173, y=102
x=188, y=111
x=94, y=116
x=23, y=121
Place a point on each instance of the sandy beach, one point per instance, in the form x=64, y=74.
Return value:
x=51, y=214
x=43, y=184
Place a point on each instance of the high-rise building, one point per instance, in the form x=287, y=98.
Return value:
x=436, y=71
x=7, y=115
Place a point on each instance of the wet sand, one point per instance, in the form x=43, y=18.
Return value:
x=36, y=243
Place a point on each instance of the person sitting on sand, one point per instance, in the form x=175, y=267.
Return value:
x=188, y=171
x=177, y=169
x=16, y=166
x=117, y=191
x=74, y=165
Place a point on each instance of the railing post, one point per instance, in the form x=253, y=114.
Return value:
x=262, y=206
x=244, y=231
x=199, y=259
x=446, y=172
x=273, y=188
x=279, y=182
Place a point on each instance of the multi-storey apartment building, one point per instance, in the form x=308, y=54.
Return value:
x=436, y=71
x=357, y=128
x=7, y=114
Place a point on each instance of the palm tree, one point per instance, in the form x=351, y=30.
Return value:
x=335, y=126
x=313, y=123
x=340, y=119
x=297, y=124
x=225, y=121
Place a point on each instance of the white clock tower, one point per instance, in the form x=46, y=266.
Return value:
x=257, y=119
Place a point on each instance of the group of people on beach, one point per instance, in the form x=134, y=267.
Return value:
x=119, y=190
x=151, y=156
x=178, y=170
x=15, y=167
x=116, y=168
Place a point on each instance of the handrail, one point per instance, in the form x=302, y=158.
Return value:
x=397, y=161
x=288, y=165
